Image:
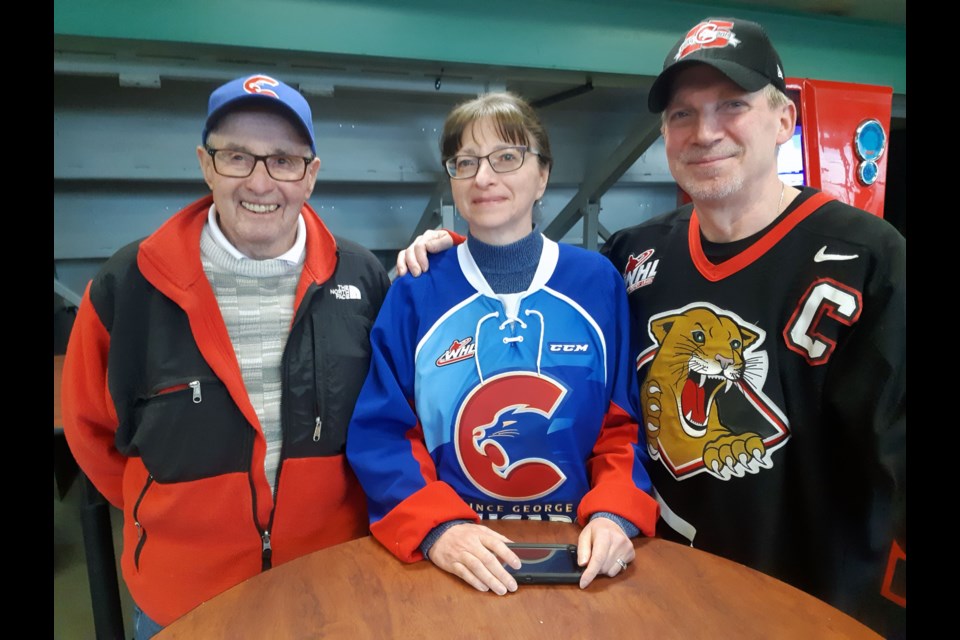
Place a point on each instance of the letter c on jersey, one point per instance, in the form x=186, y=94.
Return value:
x=808, y=333
x=484, y=459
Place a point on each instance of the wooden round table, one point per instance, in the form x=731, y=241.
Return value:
x=358, y=590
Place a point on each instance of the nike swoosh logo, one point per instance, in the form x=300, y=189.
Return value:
x=823, y=256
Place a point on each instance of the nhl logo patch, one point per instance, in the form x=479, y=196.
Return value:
x=640, y=270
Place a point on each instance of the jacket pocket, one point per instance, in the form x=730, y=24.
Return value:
x=188, y=429
x=138, y=525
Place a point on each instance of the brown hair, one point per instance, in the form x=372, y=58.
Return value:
x=513, y=118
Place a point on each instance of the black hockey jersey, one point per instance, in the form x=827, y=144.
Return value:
x=773, y=392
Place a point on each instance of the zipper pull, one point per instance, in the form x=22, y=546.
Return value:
x=195, y=385
x=316, y=430
x=139, y=529
x=267, y=549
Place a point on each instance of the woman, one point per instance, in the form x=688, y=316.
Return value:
x=500, y=383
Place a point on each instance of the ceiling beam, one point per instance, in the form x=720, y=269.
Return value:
x=644, y=133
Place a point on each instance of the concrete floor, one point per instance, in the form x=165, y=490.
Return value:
x=72, y=610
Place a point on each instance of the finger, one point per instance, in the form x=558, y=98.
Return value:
x=440, y=241
x=593, y=568
x=415, y=263
x=584, y=546
x=421, y=256
x=502, y=554
x=462, y=572
x=401, y=263
x=601, y=556
x=490, y=573
x=584, y=556
x=505, y=554
x=408, y=257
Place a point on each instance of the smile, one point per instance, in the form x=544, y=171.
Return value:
x=709, y=160
x=708, y=157
x=259, y=208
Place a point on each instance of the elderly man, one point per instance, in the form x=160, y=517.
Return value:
x=773, y=377
x=213, y=367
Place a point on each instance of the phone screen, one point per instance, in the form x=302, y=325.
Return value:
x=546, y=563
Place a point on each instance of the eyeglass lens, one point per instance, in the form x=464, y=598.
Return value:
x=501, y=161
x=238, y=164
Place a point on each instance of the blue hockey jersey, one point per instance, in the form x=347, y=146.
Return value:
x=483, y=405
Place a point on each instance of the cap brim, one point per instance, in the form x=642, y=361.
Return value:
x=662, y=87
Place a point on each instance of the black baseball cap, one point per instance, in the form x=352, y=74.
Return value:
x=739, y=49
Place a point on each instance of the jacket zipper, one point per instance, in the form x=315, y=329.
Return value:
x=141, y=532
x=192, y=384
x=266, y=547
x=266, y=550
x=317, y=395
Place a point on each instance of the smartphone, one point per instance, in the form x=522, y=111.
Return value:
x=546, y=563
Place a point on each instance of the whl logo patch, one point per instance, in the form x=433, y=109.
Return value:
x=711, y=34
x=640, y=270
x=462, y=349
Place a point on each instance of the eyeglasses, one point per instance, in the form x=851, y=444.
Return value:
x=502, y=161
x=239, y=164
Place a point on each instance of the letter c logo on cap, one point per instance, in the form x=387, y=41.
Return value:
x=254, y=84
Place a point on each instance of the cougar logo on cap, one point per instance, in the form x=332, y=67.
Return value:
x=254, y=84
x=708, y=35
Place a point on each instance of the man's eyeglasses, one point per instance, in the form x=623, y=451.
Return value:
x=239, y=164
x=502, y=161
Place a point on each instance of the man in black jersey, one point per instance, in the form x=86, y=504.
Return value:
x=772, y=360
x=773, y=377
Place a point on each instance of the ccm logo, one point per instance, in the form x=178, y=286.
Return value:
x=567, y=347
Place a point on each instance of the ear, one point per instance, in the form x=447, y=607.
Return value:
x=544, y=179
x=662, y=327
x=787, y=122
x=206, y=165
x=749, y=337
x=312, y=170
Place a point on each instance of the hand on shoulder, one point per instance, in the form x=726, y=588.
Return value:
x=415, y=258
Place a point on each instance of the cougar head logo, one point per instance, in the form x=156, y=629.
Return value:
x=700, y=356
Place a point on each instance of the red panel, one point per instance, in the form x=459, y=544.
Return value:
x=830, y=113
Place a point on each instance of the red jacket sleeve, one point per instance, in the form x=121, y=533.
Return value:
x=611, y=469
x=89, y=417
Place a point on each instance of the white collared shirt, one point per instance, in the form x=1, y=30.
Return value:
x=292, y=255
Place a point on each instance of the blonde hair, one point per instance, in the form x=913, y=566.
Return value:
x=775, y=97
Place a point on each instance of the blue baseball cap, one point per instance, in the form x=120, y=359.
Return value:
x=259, y=89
